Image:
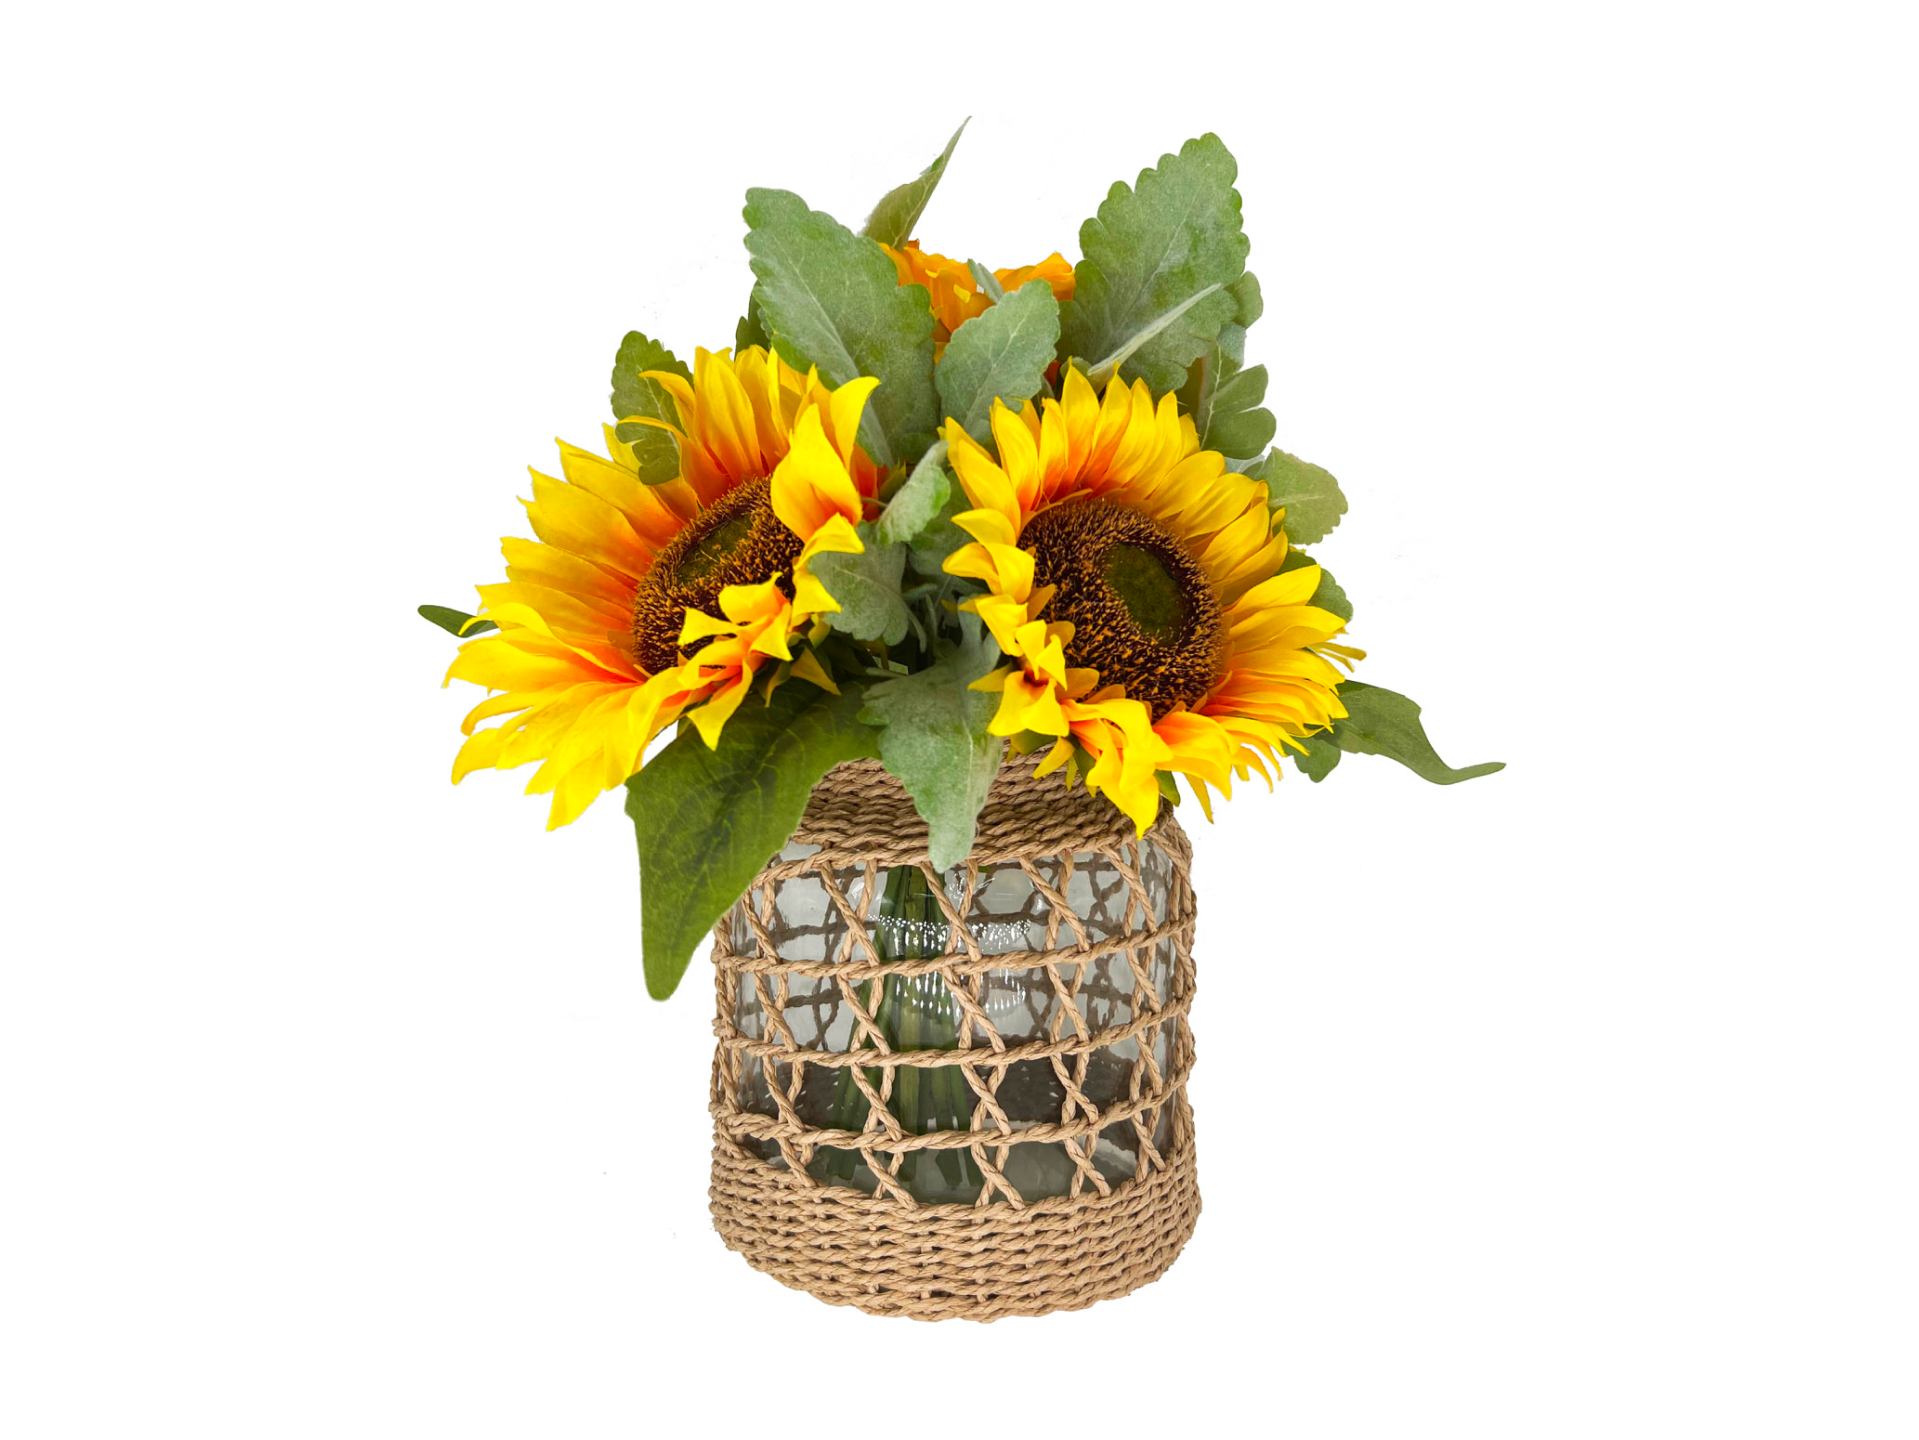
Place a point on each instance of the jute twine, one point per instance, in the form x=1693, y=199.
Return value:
x=886, y=1252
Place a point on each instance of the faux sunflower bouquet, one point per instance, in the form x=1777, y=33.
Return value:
x=928, y=512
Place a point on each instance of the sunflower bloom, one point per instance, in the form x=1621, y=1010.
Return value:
x=640, y=604
x=956, y=296
x=1137, y=587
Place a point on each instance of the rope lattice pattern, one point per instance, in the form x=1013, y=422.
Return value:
x=959, y=1094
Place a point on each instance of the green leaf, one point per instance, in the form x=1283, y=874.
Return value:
x=894, y=218
x=867, y=587
x=657, y=452
x=1246, y=296
x=1236, y=422
x=1001, y=355
x=1384, y=722
x=1322, y=754
x=708, y=820
x=831, y=298
x=1329, y=595
x=750, y=331
x=1150, y=250
x=1102, y=371
x=934, y=739
x=1310, y=495
x=917, y=503
x=1223, y=397
x=987, y=281
x=452, y=621
x=941, y=537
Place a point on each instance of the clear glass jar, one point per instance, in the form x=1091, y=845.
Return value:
x=1088, y=1011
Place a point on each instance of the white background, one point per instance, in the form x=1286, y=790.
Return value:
x=1576, y=1101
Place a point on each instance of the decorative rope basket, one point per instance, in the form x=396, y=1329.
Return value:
x=960, y=1094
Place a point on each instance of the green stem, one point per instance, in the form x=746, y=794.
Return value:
x=913, y=1013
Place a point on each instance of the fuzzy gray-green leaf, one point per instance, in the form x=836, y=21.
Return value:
x=1150, y=249
x=1237, y=424
x=708, y=820
x=831, y=298
x=941, y=537
x=867, y=587
x=1384, y=722
x=1310, y=495
x=894, y=219
x=987, y=281
x=933, y=737
x=917, y=503
x=1251, y=304
x=1001, y=355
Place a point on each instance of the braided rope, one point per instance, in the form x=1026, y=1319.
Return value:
x=1105, y=1005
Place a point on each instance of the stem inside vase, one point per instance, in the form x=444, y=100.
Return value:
x=915, y=1012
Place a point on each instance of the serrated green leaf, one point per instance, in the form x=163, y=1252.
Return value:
x=1237, y=424
x=1322, y=754
x=934, y=739
x=1384, y=722
x=1328, y=595
x=1101, y=371
x=452, y=621
x=1309, y=494
x=1246, y=296
x=1001, y=355
x=750, y=331
x=894, y=218
x=867, y=587
x=708, y=820
x=1152, y=248
x=833, y=299
x=917, y=503
x=656, y=451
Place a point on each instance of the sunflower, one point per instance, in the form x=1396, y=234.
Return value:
x=1137, y=586
x=640, y=604
x=956, y=295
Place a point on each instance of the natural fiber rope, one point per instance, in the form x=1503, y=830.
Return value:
x=886, y=1252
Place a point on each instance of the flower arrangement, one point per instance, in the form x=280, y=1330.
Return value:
x=931, y=514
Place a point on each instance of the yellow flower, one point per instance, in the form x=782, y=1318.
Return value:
x=1136, y=585
x=640, y=604
x=956, y=296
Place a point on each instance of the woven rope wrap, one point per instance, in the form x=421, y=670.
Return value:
x=885, y=1251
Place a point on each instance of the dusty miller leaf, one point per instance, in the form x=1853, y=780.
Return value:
x=833, y=299
x=1310, y=495
x=1001, y=355
x=1148, y=251
x=917, y=503
x=933, y=737
x=894, y=218
x=987, y=281
x=941, y=537
x=867, y=587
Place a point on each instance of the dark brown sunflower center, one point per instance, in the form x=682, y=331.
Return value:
x=1143, y=613
x=735, y=541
